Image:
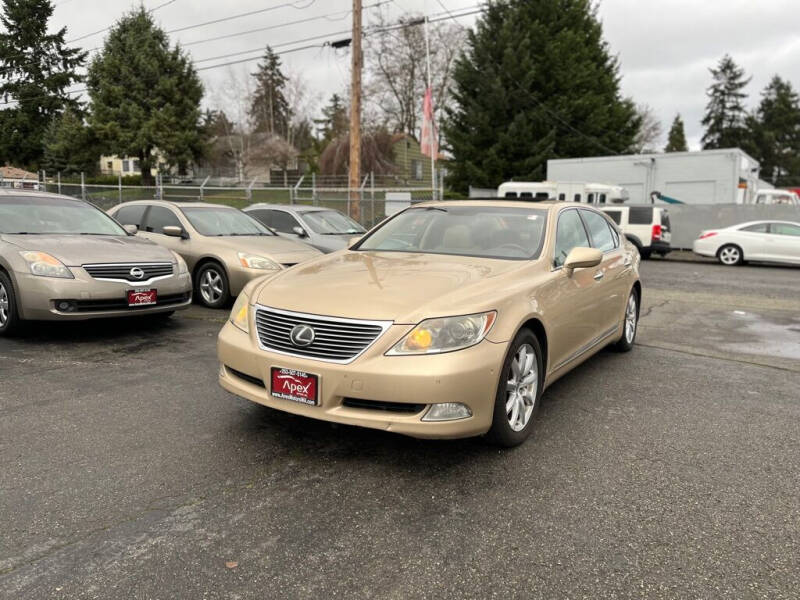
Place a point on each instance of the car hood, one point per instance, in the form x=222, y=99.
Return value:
x=274, y=247
x=401, y=287
x=334, y=242
x=76, y=250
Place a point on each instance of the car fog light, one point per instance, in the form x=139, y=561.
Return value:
x=447, y=411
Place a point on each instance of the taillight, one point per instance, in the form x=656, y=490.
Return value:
x=707, y=235
x=656, y=233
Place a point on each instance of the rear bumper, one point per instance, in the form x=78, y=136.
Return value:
x=468, y=376
x=92, y=298
x=660, y=247
x=707, y=247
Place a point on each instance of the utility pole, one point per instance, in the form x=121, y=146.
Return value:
x=433, y=121
x=355, y=116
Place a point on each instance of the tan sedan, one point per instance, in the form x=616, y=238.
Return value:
x=63, y=259
x=224, y=247
x=447, y=320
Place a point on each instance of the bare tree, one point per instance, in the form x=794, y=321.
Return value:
x=649, y=135
x=397, y=73
x=234, y=99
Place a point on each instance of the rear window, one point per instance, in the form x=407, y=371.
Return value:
x=757, y=228
x=640, y=215
x=664, y=220
x=131, y=215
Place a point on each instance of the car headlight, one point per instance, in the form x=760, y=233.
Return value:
x=44, y=265
x=182, y=267
x=253, y=261
x=239, y=313
x=445, y=334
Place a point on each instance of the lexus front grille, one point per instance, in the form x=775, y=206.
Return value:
x=334, y=339
x=131, y=272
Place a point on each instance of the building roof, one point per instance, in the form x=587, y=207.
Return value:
x=9, y=172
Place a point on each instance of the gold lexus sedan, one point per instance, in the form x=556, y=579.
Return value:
x=447, y=320
x=224, y=247
x=63, y=259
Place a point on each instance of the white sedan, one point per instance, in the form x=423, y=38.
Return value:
x=768, y=241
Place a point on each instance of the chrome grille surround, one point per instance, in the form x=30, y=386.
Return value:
x=121, y=272
x=337, y=340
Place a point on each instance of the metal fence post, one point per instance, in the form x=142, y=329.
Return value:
x=119, y=186
x=59, y=182
x=202, y=185
x=44, y=181
x=295, y=190
x=372, y=197
x=83, y=187
x=249, y=192
x=314, y=199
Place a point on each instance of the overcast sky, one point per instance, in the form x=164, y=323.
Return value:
x=665, y=47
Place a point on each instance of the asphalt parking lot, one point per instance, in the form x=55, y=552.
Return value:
x=669, y=472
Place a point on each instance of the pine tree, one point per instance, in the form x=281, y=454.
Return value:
x=145, y=96
x=725, y=113
x=537, y=81
x=775, y=133
x=36, y=70
x=676, y=140
x=69, y=146
x=335, y=120
x=269, y=110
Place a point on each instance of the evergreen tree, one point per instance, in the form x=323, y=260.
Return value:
x=269, y=110
x=537, y=81
x=36, y=69
x=335, y=120
x=775, y=133
x=145, y=96
x=676, y=140
x=69, y=146
x=725, y=113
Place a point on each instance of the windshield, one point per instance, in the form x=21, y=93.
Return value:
x=485, y=231
x=59, y=216
x=221, y=221
x=331, y=222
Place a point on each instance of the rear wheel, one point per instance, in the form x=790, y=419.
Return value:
x=630, y=323
x=730, y=255
x=211, y=285
x=518, y=392
x=9, y=319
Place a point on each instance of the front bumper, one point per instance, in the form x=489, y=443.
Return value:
x=94, y=298
x=468, y=376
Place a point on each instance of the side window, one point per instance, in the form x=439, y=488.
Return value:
x=576, y=198
x=262, y=216
x=614, y=234
x=602, y=199
x=562, y=196
x=616, y=215
x=590, y=198
x=757, y=228
x=283, y=221
x=570, y=233
x=599, y=230
x=160, y=217
x=640, y=215
x=131, y=215
x=785, y=229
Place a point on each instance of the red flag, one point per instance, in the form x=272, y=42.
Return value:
x=429, y=144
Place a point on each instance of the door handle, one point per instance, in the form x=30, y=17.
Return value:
x=599, y=275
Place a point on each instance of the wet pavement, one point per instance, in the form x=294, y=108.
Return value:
x=668, y=472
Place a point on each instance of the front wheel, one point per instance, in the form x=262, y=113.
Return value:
x=630, y=324
x=211, y=286
x=9, y=318
x=730, y=255
x=518, y=392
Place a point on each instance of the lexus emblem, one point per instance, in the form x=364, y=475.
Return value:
x=302, y=336
x=137, y=273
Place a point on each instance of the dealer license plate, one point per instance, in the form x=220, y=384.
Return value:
x=142, y=297
x=297, y=386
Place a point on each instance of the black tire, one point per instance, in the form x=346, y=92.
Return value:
x=211, y=285
x=10, y=322
x=645, y=254
x=625, y=343
x=730, y=255
x=501, y=432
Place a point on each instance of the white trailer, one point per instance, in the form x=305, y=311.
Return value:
x=565, y=191
x=727, y=176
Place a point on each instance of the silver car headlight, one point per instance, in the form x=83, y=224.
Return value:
x=45, y=265
x=445, y=334
x=182, y=266
x=239, y=314
x=254, y=261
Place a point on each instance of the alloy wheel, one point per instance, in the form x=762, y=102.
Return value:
x=521, y=387
x=211, y=286
x=729, y=255
x=630, y=319
x=4, y=305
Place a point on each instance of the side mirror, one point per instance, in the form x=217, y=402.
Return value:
x=354, y=240
x=299, y=231
x=581, y=258
x=132, y=229
x=174, y=231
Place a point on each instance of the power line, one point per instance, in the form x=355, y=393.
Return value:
x=88, y=35
x=246, y=14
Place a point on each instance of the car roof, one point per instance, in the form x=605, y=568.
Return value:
x=38, y=193
x=500, y=202
x=293, y=207
x=760, y=221
x=177, y=204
